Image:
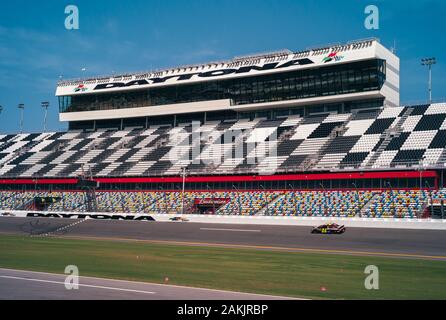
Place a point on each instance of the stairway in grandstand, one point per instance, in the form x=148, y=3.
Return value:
x=267, y=209
x=388, y=135
x=320, y=160
x=366, y=208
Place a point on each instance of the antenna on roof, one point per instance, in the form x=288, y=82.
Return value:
x=394, y=47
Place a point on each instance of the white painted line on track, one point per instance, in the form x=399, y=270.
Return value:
x=80, y=284
x=233, y=230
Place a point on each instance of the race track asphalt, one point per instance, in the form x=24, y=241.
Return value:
x=360, y=241
x=16, y=284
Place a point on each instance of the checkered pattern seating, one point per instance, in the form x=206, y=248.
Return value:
x=389, y=138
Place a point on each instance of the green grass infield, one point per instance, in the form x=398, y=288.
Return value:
x=294, y=274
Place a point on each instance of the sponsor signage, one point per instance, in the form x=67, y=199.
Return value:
x=334, y=56
x=204, y=75
x=211, y=201
x=216, y=71
x=91, y=216
x=80, y=88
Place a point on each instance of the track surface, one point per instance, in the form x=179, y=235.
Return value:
x=17, y=284
x=14, y=284
x=386, y=242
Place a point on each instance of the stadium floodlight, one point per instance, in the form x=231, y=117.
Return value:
x=22, y=108
x=1, y=109
x=429, y=62
x=45, y=106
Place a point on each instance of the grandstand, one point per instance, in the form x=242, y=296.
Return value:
x=311, y=133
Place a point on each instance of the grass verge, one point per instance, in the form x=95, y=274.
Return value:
x=248, y=270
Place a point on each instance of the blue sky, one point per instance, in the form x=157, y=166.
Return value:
x=136, y=35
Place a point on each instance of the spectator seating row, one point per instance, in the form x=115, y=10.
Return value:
x=370, y=204
x=390, y=137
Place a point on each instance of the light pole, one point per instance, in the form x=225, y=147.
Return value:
x=357, y=198
x=184, y=186
x=45, y=106
x=22, y=108
x=429, y=62
x=430, y=196
x=266, y=199
x=165, y=199
x=293, y=198
x=238, y=198
x=392, y=197
x=213, y=199
x=1, y=109
x=421, y=164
